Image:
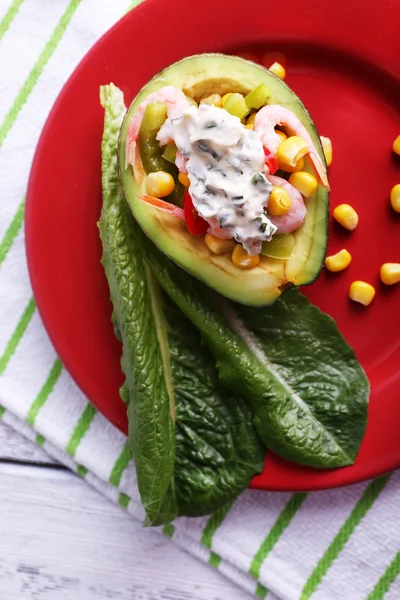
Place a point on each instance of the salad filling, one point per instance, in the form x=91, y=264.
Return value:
x=225, y=162
x=226, y=151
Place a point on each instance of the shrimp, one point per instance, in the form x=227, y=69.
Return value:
x=297, y=211
x=180, y=162
x=273, y=114
x=176, y=102
x=167, y=207
x=177, y=212
x=217, y=231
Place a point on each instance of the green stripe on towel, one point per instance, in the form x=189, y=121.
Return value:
x=359, y=511
x=81, y=428
x=17, y=334
x=45, y=392
x=120, y=465
x=37, y=69
x=13, y=230
x=282, y=522
x=384, y=583
x=209, y=530
x=9, y=16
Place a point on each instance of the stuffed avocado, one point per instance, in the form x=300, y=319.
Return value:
x=205, y=153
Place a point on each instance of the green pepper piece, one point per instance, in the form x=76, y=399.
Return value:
x=151, y=152
x=258, y=97
x=236, y=105
x=280, y=246
x=170, y=153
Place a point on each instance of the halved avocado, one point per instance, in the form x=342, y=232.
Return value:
x=199, y=76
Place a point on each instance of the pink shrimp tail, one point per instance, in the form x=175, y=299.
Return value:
x=271, y=115
x=166, y=207
x=180, y=162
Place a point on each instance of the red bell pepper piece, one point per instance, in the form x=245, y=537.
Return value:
x=270, y=161
x=196, y=225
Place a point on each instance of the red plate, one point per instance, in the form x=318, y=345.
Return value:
x=343, y=60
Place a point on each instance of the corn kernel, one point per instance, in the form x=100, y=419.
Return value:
x=327, y=148
x=160, y=184
x=279, y=201
x=339, y=261
x=218, y=246
x=346, y=216
x=251, y=119
x=282, y=136
x=225, y=98
x=395, y=197
x=184, y=179
x=304, y=182
x=214, y=99
x=290, y=151
x=390, y=273
x=241, y=258
x=298, y=167
x=278, y=70
x=396, y=145
x=362, y=292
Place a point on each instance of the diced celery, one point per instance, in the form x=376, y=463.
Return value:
x=258, y=97
x=170, y=153
x=280, y=246
x=236, y=105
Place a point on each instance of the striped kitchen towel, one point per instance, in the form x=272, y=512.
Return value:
x=331, y=545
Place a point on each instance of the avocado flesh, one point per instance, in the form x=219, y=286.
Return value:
x=200, y=76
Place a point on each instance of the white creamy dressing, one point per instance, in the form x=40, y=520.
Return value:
x=225, y=163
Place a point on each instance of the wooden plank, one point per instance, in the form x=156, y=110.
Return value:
x=61, y=540
x=13, y=446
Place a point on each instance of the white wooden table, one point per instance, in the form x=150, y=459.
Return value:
x=60, y=539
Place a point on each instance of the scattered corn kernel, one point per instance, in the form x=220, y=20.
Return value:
x=278, y=70
x=241, y=258
x=346, y=216
x=390, y=273
x=214, y=99
x=225, y=97
x=218, y=246
x=298, y=167
x=339, y=261
x=362, y=292
x=327, y=147
x=396, y=145
x=304, y=182
x=279, y=201
x=160, y=184
x=291, y=150
x=184, y=179
x=282, y=136
x=395, y=197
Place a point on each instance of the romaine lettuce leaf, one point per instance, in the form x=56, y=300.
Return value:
x=194, y=443
x=307, y=391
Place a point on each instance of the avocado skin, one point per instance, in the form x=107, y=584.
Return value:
x=199, y=76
